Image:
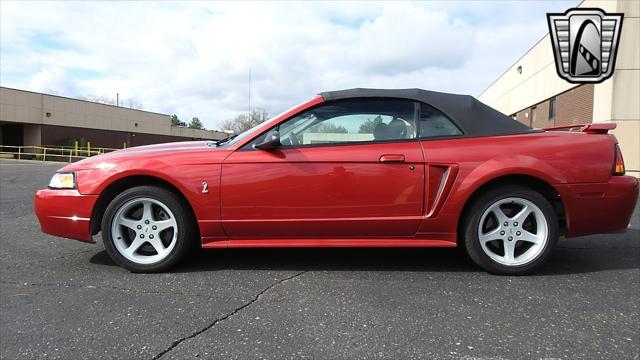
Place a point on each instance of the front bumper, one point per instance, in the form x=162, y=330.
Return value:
x=596, y=208
x=65, y=213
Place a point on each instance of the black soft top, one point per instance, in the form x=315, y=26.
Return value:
x=474, y=117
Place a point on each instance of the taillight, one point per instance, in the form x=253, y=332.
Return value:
x=618, y=163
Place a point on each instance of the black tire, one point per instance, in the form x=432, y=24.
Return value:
x=184, y=221
x=482, y=203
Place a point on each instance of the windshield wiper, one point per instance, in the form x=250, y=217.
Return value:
x=225, y=140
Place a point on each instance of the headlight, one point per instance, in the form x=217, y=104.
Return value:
x=63, y=181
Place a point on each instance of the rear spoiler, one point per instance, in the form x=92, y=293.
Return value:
x=600, y=128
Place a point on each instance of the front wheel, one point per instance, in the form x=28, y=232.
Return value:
x=510, y=230
x=147, y=229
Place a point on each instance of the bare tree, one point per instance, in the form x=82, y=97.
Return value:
x=244, y=122
x=98, y=99
x=133, y=103
x=104, y=100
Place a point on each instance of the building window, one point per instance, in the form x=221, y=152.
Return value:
x=552, y=108
x=532, y=117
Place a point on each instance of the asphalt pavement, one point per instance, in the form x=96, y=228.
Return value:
x=64, y=299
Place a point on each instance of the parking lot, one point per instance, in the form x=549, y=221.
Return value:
x=65, y=299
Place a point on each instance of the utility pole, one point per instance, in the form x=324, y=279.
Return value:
x=117, y=99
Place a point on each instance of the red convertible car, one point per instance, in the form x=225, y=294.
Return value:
x=352, y=168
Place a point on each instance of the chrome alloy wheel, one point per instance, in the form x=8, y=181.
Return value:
x=144, y=230
x=513, y=231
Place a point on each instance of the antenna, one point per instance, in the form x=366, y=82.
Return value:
x=249, y=92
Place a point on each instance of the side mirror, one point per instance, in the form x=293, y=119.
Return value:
x=271, y=141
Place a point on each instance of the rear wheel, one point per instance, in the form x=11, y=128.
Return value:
x=147, y=229
x=510, y=230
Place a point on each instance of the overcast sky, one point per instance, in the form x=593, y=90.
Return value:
x=193, y=58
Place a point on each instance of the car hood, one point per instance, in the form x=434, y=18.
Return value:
x=170, y=153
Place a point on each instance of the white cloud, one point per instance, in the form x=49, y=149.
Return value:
x=52, y=79
x=193, y=58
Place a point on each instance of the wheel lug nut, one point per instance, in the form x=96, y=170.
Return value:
x=510, y=238
x=506, y=223
x=141, y=236
x=146, y=221
x=150, y=236
x=139, y=227
x=154, y=227
x=501, y=232
x=518, y=233
x=515, y=224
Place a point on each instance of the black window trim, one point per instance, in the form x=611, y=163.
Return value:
x=249, y=145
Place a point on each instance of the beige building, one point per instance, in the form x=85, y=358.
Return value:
x=29, y=118
x=532, y=92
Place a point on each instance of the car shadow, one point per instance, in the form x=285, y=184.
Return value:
x=564, y=260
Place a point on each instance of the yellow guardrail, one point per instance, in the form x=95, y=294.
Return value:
x=52, y=153
x=79, y=148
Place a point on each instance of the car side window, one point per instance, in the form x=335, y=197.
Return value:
x=434, y=123
x=348, y=121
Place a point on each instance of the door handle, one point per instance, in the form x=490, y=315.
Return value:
x=392, y=158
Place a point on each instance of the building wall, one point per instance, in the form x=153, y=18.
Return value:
x=574, y=106
x=320, y=138
x=65, y=135
x=624, y=95
x=532, y=80
x=32, y=134
x=18, y=106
